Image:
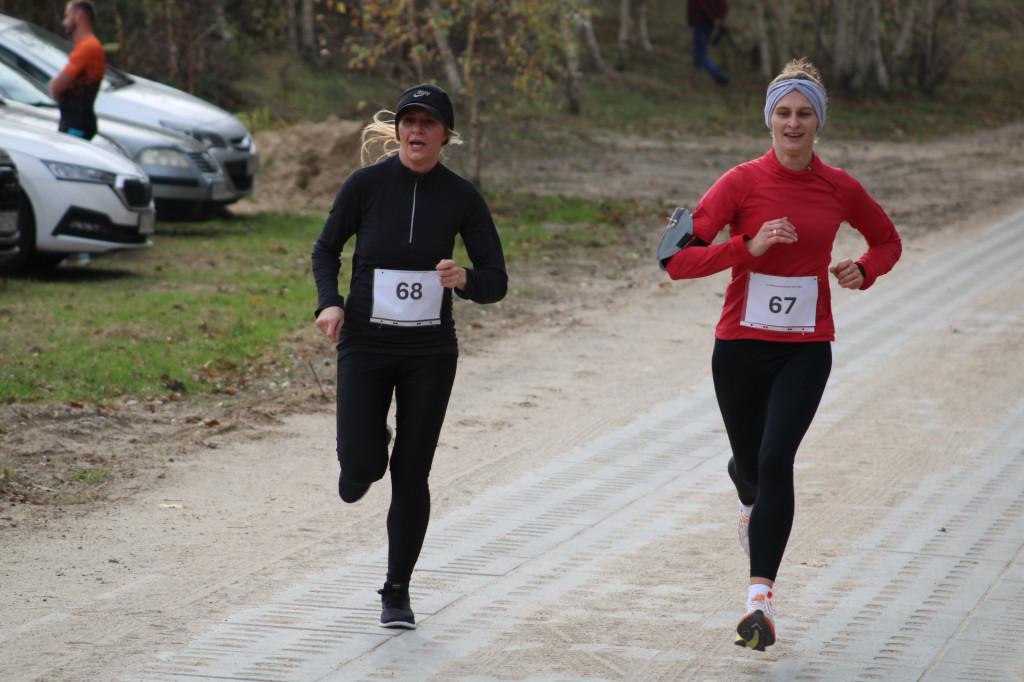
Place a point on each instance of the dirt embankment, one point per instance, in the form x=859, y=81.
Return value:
x=304, y=166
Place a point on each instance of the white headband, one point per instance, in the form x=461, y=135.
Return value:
x=814, y=93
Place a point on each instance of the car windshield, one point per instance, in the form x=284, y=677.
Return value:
x=51, y=50
x=17, y=86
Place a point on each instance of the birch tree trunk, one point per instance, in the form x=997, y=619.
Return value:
x=881, y=73
x=308, y=32
x=645, y=38
x=292, y=25
x=125, y=53
x=475, y=122
x=220, y=21
x=572, y=66
x=864, y=30
x=784, y=48
x=625, y=22
x=412, y=33
x=188, y=38
x=938, y=54
x=451, y=65
x=843, y=51
x=587, y=24
x=172, y=45
x=901, y=48
x=762, y=40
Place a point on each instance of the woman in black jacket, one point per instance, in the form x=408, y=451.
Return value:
x=395, y=334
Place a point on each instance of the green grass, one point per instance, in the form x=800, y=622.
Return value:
x=204, y=310
x=215, y=306
x=90, y=476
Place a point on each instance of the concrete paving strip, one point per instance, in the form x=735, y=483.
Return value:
x=937, y=600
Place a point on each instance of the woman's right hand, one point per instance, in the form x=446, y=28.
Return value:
x=330, y=321
x=778, y=231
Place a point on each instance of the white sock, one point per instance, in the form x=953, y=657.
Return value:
x=756, y=590
x=745, y=510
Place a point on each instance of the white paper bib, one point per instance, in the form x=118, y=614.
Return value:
x=784, y=304
x=406, y=298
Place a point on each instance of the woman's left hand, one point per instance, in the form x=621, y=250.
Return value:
x=451, y=275
x=847, y=274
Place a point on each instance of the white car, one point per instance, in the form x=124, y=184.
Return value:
x=187, y=181
x=42, y=55
x=77, y=197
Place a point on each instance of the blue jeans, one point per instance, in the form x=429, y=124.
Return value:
x=701, y=36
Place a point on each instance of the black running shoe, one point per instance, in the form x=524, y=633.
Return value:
x=395, y=610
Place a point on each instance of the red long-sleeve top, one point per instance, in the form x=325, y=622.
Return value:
x=816, y=201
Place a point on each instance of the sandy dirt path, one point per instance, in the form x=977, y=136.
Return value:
x=100, y=595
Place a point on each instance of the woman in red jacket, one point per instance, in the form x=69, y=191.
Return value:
x=772, y=353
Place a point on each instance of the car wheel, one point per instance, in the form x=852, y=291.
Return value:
x=30, y=260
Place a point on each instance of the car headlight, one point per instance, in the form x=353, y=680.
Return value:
x=75, y=173
x=162, y=156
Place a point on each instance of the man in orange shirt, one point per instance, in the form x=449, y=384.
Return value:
x=76, y=86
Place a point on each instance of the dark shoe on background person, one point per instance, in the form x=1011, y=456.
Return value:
x=350, y=491
x=395, y=610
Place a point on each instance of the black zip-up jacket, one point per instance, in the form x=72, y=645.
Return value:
x=404, y=220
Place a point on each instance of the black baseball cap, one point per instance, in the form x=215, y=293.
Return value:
x=429, y=97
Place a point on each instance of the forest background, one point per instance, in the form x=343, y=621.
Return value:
x=922, y=66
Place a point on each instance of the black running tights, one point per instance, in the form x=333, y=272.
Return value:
x=768, y=393
x=421, y=385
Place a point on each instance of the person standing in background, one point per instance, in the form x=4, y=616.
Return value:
x=704, y=16
x=76, y=86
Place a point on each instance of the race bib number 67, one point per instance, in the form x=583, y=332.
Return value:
x=785, y=304
x=406, y=298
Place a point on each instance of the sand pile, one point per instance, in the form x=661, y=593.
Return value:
x=304, y=166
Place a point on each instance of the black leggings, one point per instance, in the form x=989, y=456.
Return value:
x=768, y=393
x=421, y=385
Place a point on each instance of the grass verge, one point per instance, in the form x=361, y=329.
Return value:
x=216, y=306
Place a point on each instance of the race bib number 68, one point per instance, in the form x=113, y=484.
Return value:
x=406, y=298
x=785, y=304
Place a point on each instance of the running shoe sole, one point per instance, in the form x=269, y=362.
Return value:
x=755, y=631
x=398, y=624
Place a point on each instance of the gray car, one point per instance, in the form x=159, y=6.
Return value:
x=187, y=181
x=42, y=55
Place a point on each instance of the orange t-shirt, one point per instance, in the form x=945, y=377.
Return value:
x=86, y=66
